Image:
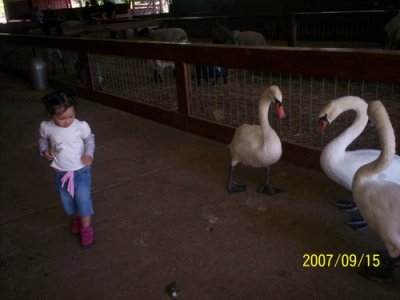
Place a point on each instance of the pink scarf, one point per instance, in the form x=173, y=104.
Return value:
x=70, y=185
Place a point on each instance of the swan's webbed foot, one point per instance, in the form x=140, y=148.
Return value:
x=234, y=187
x=357, y=223
x=267, y=189
x=346, y=205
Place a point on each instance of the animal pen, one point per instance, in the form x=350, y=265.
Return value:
x=119, y=73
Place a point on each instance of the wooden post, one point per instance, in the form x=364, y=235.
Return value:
x=83, y=58
x=131, y=9
x=183, y=87
x=293, y=32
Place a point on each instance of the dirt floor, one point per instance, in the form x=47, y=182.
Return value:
x=163, y=215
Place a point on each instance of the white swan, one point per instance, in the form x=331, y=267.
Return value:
x=341, y=165
x=257, y=146
x=379, y=199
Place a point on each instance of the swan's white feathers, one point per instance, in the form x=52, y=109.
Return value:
x=258, y=145
x=248, y=148
x=379, y=204
x=351, y=161
x=341, y=165
x=377, y=199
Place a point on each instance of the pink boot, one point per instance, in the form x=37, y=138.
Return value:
x=87, y=236
x=76, y=225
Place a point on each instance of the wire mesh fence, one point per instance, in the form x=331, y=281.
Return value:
x=136, y=79
x=236, y=102
x=220, y=95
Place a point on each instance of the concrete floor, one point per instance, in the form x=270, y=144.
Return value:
x=163, y=215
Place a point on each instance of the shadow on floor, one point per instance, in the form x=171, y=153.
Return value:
x=163, y=215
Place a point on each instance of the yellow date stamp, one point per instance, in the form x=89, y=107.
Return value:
x=343, y=260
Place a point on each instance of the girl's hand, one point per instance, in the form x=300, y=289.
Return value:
x=47, y=154
x=87, y=160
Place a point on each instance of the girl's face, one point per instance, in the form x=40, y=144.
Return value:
x=64, y=118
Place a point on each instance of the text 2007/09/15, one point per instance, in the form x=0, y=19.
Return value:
x=344, y=260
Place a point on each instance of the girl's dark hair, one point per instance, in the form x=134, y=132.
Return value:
x=58, y=100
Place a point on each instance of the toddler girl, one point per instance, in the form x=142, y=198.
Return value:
x=69, y=144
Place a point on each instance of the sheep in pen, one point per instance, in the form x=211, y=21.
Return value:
x=174, y=35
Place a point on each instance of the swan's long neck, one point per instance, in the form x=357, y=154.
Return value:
x=343, y=140
x=263, y=108
x=380, y=118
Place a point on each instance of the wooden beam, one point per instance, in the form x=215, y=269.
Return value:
x=106, y=26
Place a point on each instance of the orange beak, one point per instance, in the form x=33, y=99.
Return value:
x=322, y=125
x=280, y=110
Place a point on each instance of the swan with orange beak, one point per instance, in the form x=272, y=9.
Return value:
x=258, y=146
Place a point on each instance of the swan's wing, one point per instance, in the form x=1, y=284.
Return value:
x=246, y=141
x=392, y=172
x=358, y=158
x=252, y=148
x=341, y=168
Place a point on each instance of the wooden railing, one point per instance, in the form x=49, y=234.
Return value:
x=322, y=29
x=376, y=66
